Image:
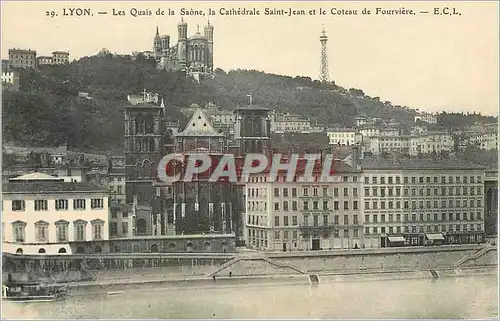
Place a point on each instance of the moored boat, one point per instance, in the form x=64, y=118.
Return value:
x=33, y=293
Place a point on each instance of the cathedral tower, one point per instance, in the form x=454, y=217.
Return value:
x=252, y=129
x=182, y=42
x=157, y=44
x=209, y=33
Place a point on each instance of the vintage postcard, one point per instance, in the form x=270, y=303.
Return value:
x=249, y=160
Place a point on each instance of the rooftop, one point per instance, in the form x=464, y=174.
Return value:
x=37, y=176
x=35, y=187
x=417, y=163
x=199, y=126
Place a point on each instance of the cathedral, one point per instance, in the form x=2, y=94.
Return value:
x=193, y=55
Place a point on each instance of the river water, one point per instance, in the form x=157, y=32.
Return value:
x=462, y=297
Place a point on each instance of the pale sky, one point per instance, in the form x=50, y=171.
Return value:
x=424, y=61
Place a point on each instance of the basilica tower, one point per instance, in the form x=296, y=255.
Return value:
x=182, y=42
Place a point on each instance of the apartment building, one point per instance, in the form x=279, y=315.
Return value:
x=42, y=214
x=22, y=58
x=484, y=139
x=344, y=137
x=419, y=202
x=60, y=57
x=289, y=123
x=435, y=142
x=427, y=117
x=10, y=77
x=304, y=215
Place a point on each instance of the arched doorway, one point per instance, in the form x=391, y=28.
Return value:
x=224, y=247
x=62, y=250
x=154, y=248
x=141, y=226
x=42, y=250
x=208, y=246
x=189, y=246
x=19, y=251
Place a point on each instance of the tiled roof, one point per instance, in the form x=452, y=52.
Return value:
x=199, y=126
x=251, y=107
x=33, y=187
x=142, y=105
x=416, y=163
x=37, y=176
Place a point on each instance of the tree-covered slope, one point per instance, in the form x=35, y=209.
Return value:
x=47, y=111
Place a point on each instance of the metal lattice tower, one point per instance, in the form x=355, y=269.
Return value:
x=324, y=75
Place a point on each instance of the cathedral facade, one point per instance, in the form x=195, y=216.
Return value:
x=193, y=55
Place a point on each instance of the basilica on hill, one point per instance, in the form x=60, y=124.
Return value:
x=193, y=55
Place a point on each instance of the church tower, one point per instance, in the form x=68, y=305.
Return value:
x=209, y=34
x=252, y=129
x=157, y=48
x=182, y=42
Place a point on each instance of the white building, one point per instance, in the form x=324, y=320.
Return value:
x=484, y=138
x=303, y=215
x=435, y=142
x=426, y=117
x=344, y=137
x=289, y=123
x=414, y=201
x=370, y=131
x=388, y=144
x=10, y=77
x=42, y=214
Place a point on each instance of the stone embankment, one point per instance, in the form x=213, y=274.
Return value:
x=108, y=274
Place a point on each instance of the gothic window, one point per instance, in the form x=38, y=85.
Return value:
x=250, y=127
x=97, y=229
x=80, y=227
x=141, y=226
x=246, y=127
x=257, y=126
x=62, y=230
x=42, y=231
x=19, y=231
x=151, y=145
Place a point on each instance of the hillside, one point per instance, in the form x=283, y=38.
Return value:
x=46, y=110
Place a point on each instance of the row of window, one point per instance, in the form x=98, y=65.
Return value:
x=42, y=231
x=424, y=229
x=428, y=218
x=294, y=234
x=306, y=222
x=315, y=206
x=422, y=179
x=406, y=204
x=457, y=191
x=282, y=178
x=60, y=204
x=391, y=218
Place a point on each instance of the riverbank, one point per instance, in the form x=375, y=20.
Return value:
x=163, y=267
x=117, y=286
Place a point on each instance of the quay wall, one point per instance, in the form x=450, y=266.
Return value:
x=168, y=266
x=118, y=287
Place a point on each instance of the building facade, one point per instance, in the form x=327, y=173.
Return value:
x=42, y=214
x=10, y=77
x=60, y=57
x=427, y=118
x=417, y=202
x=22, y=58
x=193, y=54
x=344, y=137
x=304, y=215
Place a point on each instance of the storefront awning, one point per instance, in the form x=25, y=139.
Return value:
x=434, y=237
x=394, y=239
